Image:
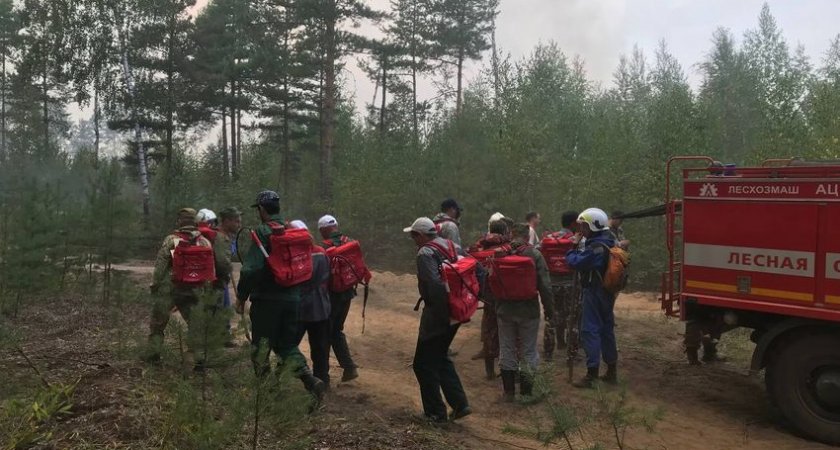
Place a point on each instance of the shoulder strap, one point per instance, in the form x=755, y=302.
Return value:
x=448, y=254
x=519, y=250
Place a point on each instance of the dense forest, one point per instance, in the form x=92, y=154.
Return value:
x=206, y=108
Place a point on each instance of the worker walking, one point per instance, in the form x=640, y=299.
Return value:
x=597, y=332
x=274, y=308
x=433, y=368
x=328, y=227
x=174, y=287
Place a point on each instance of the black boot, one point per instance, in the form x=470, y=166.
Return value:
x=588, y=381
x=509, y=385
x=314, y=385
x=490, y=368
x=526, y=384
x=611, y=376
x=691, y=354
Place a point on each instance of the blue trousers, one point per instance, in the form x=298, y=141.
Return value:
x=597, y=330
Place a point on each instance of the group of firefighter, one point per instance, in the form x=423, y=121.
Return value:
x=300, y=286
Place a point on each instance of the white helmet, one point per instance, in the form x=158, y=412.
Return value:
x=205, y=215
x=595, y=218
x=494, y=218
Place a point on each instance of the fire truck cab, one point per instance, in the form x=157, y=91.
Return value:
x=759, y=247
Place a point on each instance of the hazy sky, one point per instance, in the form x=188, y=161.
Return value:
x=601, y=30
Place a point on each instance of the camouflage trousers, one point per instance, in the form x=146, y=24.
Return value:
x=554, y=334
x=706, y=331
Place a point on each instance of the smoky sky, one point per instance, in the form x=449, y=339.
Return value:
x=601, y=30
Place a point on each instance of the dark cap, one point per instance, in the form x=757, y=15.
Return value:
x=266, y=198
x=450, y=203
x=230, y=213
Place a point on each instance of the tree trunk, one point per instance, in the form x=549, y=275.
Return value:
x=3, y=110
x=328, y=107
x=384, y=95
x=414, y=119
x=46, y=93
x=96, y=118
x=286, y=160
x=238, y=135
x=459, y=100
x=138, y=134
x=170, y=90
x=233, y=149
x=225, y=160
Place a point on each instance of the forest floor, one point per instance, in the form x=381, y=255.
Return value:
x=717, y=406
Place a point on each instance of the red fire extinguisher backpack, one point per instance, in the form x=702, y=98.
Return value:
x=459, y=274
x=347, y=264
x=554, y=248
x=290, y=258
x=485, y=257
x=193, y=261
x=514, y=276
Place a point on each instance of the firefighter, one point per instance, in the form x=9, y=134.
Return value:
x=433, y=367
x=168, y=293
x=447, y=221
x=563, y=287
x=328, y=227
x=498, y=235
x=519, y=322
x=703, y=329
x=597, y=332
x=274, y=308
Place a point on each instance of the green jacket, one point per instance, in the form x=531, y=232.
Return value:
x=531, y=308
x=256, y=280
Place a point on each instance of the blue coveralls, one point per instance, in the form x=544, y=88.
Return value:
x=597, y=329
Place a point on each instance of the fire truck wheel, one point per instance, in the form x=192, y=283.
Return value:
x=804, y=381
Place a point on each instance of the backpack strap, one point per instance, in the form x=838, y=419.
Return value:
x=448, y=254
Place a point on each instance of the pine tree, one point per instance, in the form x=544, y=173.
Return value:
x=9, y=27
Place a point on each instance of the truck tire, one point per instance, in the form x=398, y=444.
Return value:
x=804, y=381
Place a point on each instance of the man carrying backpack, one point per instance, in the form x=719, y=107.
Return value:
x=447, y=221
x=497, y=238
x=433, y=368
x=597, y=332
x=274, y=308
x=328, y=227
x=562, y=286
x=170, y=287
x=519, y=313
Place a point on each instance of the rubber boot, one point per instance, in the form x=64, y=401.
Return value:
x=526, y=384
x=314, y=385
x=691, y=353
x=611, y=376
x=509, y=385
x=588, y=381
x=349, y=374
x=490, y=368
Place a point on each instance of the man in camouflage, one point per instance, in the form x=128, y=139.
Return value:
x=274, y=308
x=563, y=288
x=167, y=295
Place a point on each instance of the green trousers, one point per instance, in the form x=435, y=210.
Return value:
x=274, y=323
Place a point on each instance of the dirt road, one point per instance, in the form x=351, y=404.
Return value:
x=711, y=407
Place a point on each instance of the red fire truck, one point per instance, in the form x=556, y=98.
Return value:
x=759, y=247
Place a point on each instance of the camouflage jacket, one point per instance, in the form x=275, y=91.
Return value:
x=162, y=275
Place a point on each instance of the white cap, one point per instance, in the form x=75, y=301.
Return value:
x=298, y=224
x=205, y=215
x=327, y=221
x=422, y=225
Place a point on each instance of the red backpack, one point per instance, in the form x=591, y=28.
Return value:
x=484, y=257
x=347, y=265
x=514, y=276
x=290, y=258
x=193, y=261
x=459, y=274
x=554, y=248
